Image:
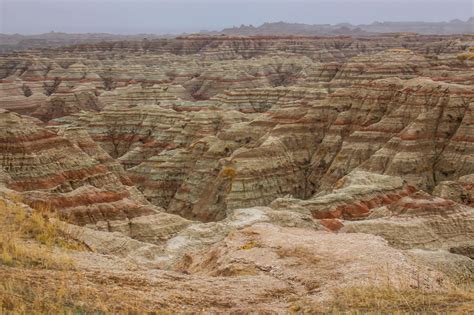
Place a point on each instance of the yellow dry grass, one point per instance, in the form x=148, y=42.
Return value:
x=28, y=237
x=52, y=296
x=389, y=299
x=248, y=245
x=466, y=56
x=229, y=172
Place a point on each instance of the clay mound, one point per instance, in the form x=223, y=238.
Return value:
x=422, y=221
x=321, y=143
x=461, y=190
x=353, y=197
x=261, y=100
x=322, y=264
x=58, y=82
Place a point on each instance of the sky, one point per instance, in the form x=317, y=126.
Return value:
x=177, y=16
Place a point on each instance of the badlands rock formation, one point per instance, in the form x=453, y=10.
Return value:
x=222, y=172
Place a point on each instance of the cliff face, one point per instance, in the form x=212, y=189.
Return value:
x=210, y=157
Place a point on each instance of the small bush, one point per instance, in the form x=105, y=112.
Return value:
x=229, y=172
x=466, y=56
x=249, y=245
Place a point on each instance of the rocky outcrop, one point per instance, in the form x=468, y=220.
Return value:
x=460, y=190
x=393, y=132
x=74, y=177
x=313, y=141
x=58, y=82
x=422, y=221
x=354, y=197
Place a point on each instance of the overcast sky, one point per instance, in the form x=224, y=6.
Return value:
x=176, y=16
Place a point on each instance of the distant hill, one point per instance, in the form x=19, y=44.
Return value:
x=56, y=39
x=14, y=42
x=425, y=28
x=283, y=28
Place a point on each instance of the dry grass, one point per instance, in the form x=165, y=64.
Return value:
x=389, y=299
x=28, y=238
x=79, y=292
x=31, y=239
x=388, y=293
x=57, y=294
x=21, y=298
x=466, y=56
x=229, y=172
x=249, y=245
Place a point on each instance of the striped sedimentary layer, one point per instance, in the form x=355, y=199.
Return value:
x=261, y=100
x=226, y=47
x=352, y=198
x=53, y=83
x=422, y=221
x=417, y=129
x=66, y=171
x=199, y=164
x=244, y=164
x=282, y=116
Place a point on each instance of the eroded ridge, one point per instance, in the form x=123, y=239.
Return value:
x=239, y=174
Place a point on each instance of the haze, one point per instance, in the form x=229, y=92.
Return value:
x=129, y=17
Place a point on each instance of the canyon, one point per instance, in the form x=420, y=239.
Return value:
x=243, y=174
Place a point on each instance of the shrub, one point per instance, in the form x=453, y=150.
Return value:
x=229, y=172
x=249, y=245
x=466, y=56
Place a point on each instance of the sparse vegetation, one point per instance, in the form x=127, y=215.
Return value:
x=36, y=294
x=31, y=239
x=300, y=252
x=388, y=299
x=229, y=172
x=249, y=245
x=468, y=55
x=28, y=238
x=26, y=90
